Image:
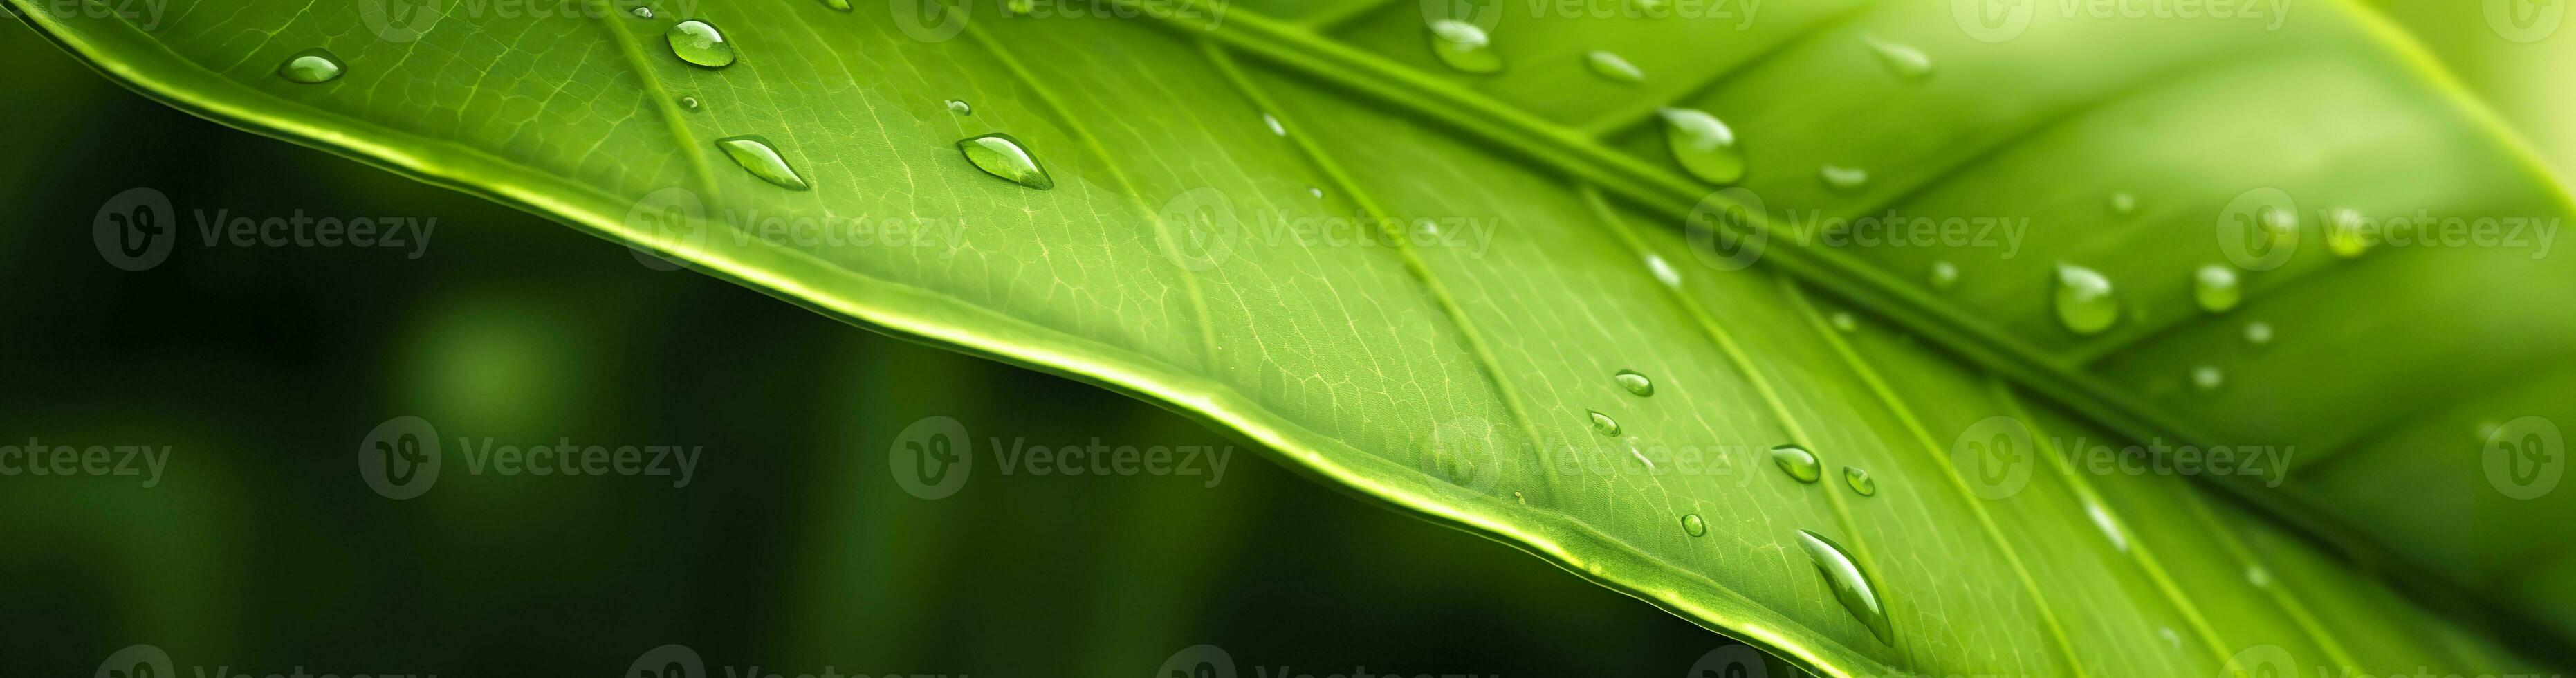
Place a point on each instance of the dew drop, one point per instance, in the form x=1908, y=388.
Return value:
x=1603, y=424
x=1844, y=178
x=837, y=5
x=2084, y=301
x=1614, y=67
x=2259, y=577
x=1704, y=145
x=1318, y=192
x=1945, y=275
x=762, y=160
x=1860, y=481
x=642, y=12
x=1634, y=382
x=1516, y=496
x=1843, y=321
x=2344, y=234
x=1021, y=7
x=1272, y=122
x=2216, y=288
x=1663, y=271
x=960, y=107
x=1002, y=156
x=2258, y=333
x=2124, y=204
x=312, y=67
x=1797, y=462
x=1904, y=61
x=2171, y=638
x=1849, y=583
x=1693, y=525
x=2110, y=528
x=1464, y=46
x=2207, y=378
x=690, y=104
x=699, y=43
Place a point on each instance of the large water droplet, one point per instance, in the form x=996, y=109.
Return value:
x=312, y=67
x=1603, y=424
x=1613, y=66
x=2258, y=333
x=1849, y=583
x=1945, y=275
x=1634, y=382
x=837, y=5
x=2344, y=235
x=2207, y=378
x=1907, y=63
x=960, y=107
x=1464, y=46
x=762, y=160
x=1844, y=178
x=699, y=43
x=1693, y=525
x=1860, y=481
x=1797, y=462
x=1002, y=156
x=2084, y=301
x=1704, y=145
x=2216, y=288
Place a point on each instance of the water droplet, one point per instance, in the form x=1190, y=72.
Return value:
x=1860, y=481
x=2259, y=577
x=312, y=67
x=1907, y=63
x=2215, y=286
x=689, y=103
x=2171, y=638
x=2084, y=301
x=837, y=5
x=1945, y=275
x=1021, y=7
x=1798, y=462
x=2123, y=204
x=1663, y=271
x=1464, y=46
x=1614, y=67
x=1843, y=320
x=699, y=43
x=2258, y=333
x=1603, y=424
x=1002, y=156
x=2207, y=378
x=642, y=12
x=1272, y=122
x=756, y=155
x=1634, y=382
x=2110, y=528
x=2344, y=235
x=1693, y=525
x=1704, y=145
x=1516, y=496
x=1849, y=583
x=960, y=107
x=1844, y=178
x=1319, y=192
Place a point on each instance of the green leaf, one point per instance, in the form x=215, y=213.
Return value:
x=1297, y=221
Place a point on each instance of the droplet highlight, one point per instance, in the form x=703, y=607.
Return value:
x=1272, y=122
x=1464, y=46
x=837, y=5
x=960, y=107
x=1844, y=322
x=1703, y=145
x=1844, y=178
x=1603, y=424
x=2344, y=234
x=1860, y=482
x=2258, y=333
x=1693, y=525
x=642, y=12
x=1637, y=384
x=2124, y=204
x=757, y=156
x=1613, y=67
x=2216, y=288
x=312, y=67
x=1903, y=61
x=1944, y=275
x=1850, y=585
x=690, y=104
x=700, y=44
x=2207, y=378
x=1797, y=462
x=1002, y=156
x=2085, y=304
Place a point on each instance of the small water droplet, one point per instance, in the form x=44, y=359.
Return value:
x=1797, y=462
x=1516, y=496
x=762, y=160
x=1906, y=62
x=2259, y=577
x=2110, y=528
x=1319, y=193
x=1945, y=275
x=2258, y=333
x=1849, y=583
x=2216, y=288
x=1844, y=178
x=1634, y=382
x=960, y=107
x=1464, y=46
x=1693, y=525
x=699, y=43
x=2124, y=204
x=1272, y=122
x=2171, y=638
x=2084, y=301
x=837, y=5
x=1603, y=424
x=2344, y=234
x=1843, y=321
x=1614, y=67
x=689, y=104
x=1704, y=145
x=312, y=67
x=642, y=12
x=1002, y=156
x=1021, y=7
x=2207, y=378
x=1860, y=481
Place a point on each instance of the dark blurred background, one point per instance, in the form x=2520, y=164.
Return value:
x=259, y=550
